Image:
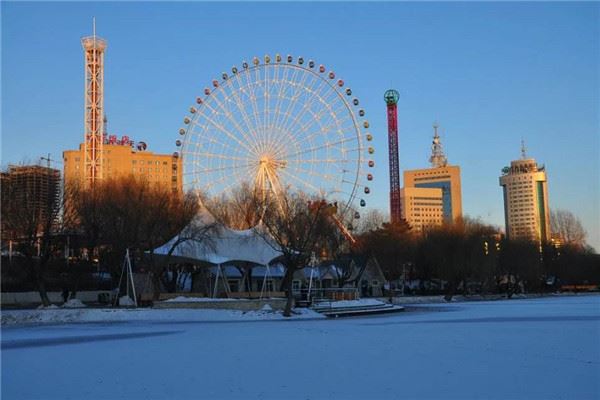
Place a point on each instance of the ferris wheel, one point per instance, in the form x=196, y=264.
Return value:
x=279, y=124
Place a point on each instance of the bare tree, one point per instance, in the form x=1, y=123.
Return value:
x=371, y=221
x=568, y=227
x=31, y=207
x=393, y=246
x=128, y=213
x=296, y=225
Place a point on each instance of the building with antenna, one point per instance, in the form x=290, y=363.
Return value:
x=432, y=196
x=525, y=191
x=103, y=155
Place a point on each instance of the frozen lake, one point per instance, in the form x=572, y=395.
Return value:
x=519, y=349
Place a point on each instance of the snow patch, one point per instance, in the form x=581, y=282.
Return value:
x=351, y=303
x=50, y=307
x=183, y=299
x=64, y=315
x=74, y=303
x=126, y=301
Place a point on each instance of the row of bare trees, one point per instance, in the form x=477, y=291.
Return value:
x=118, y=214
x=128, y=213
x=473, y=256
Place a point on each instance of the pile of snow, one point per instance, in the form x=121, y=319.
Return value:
x=126, y=301
x=183, y=299
x=74, y=303
x=50, y=307
x=266, y=307
x=58, y=315
x=351, y=303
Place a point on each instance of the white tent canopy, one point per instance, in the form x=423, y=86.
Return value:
x=226, y=245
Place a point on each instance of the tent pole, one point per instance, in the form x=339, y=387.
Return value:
x=262, y=289
x=216, y=281
x=131, y=278
x=120, y=280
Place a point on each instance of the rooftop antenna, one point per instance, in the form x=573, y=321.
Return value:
x=523, y=150
x=438, y=158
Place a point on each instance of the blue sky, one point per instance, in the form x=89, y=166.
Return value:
x=489, y=73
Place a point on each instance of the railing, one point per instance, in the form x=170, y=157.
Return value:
x=324, y=295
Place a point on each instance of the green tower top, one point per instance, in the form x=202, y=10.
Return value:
x=391, y=96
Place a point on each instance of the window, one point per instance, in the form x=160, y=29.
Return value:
x=295, y=285
x=375, y=283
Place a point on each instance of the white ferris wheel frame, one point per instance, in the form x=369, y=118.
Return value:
x=230, y=138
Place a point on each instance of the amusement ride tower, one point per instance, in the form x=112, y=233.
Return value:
x=391, y=99
x=93, y=48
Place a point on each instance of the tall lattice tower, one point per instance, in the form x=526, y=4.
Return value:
x=93, y=49
x=391, y=98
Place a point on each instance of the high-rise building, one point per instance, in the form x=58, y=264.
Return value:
x=422, y=208
x=440, y=176
x=35, y=190
x=103, y=156
x=526, y=212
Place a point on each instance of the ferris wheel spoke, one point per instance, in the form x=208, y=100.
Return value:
x=280, y=97
x=297, y=92
x=224, y=178
x=321, y=147
x=324, y=161
x=207, y=170
x=225, y=145
x=230, y=117
x=327, y=177
x=302, y=181
x=309, y=137
x=253, y=104
x=324, y=130
x=285, y=84
x=306, y=106
x=240, y=106
x=228, y=133
x=317, y=117
x=219, y=156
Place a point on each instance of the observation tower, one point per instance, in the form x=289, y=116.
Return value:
x=93, y=49
x=391, y=98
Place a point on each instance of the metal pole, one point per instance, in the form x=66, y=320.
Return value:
x=131, y=277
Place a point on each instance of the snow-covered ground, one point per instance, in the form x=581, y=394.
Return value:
x=547, y=348
x=55, y=315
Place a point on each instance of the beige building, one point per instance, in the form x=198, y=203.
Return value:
x=422, y=208
x=124, y=160
x=526, y=212
x=446, y=179
x=441, y=181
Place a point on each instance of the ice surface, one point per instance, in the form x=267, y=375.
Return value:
x=547, y=348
